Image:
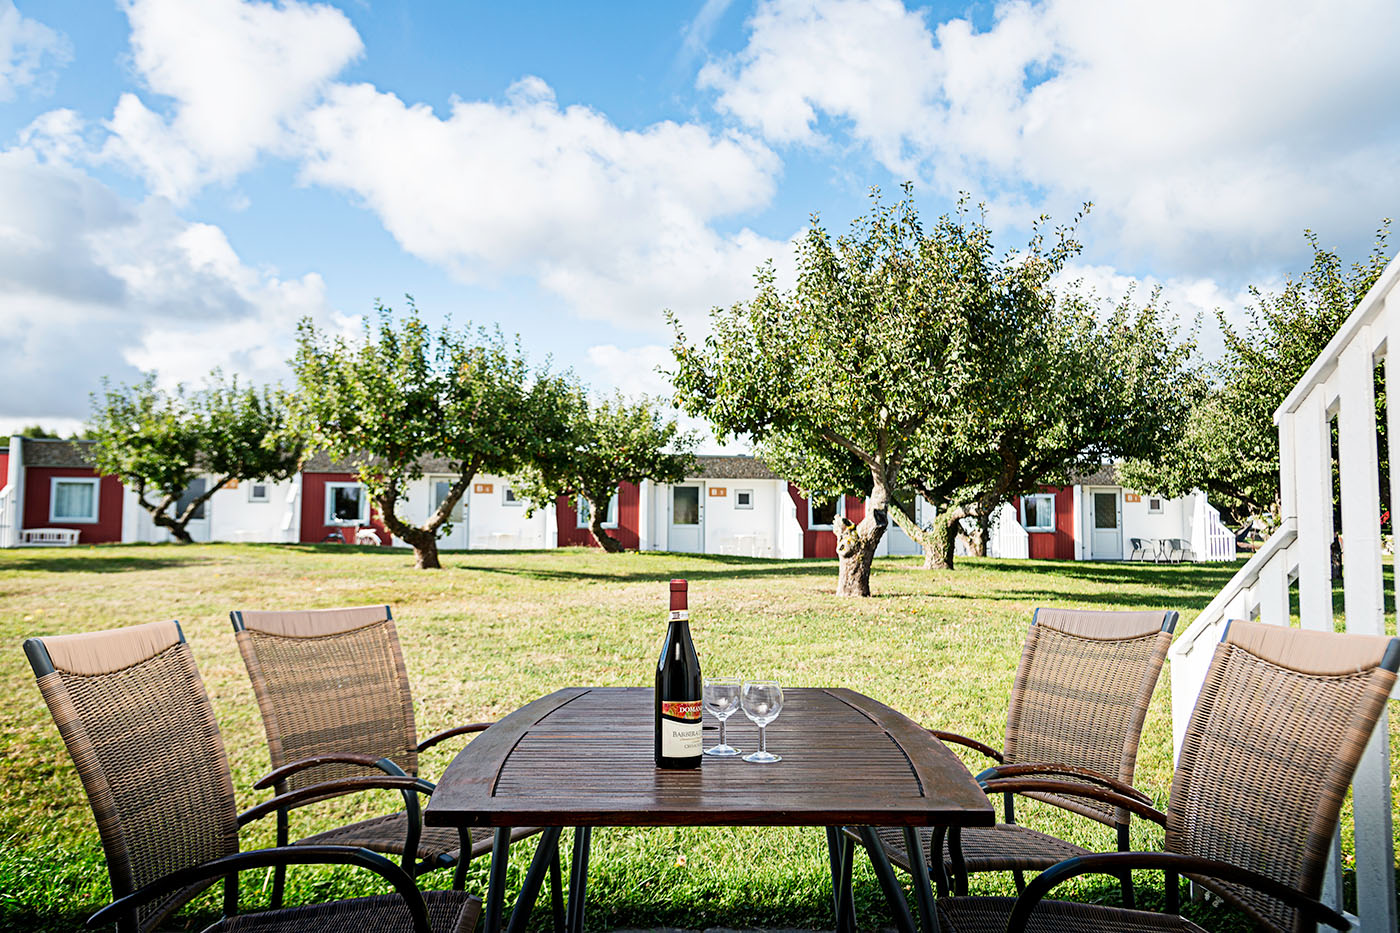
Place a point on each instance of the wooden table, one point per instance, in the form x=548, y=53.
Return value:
x=582, y=757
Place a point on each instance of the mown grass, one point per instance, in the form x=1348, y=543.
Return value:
x=492, y=631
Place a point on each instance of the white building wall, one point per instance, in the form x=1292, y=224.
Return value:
x=228, y=516
x=751, y=532
x=487, y=522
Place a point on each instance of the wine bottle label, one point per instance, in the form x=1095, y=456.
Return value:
x=680, y=728
x=680, y=615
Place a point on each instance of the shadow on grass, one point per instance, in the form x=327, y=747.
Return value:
x=99, y=561
x=731, y=567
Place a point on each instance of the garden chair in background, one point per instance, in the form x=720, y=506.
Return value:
x=1077, y=707
x=1137, y=550
x=134, y=714
x=335, y=701
x=1280, y=725
x=1179, y=550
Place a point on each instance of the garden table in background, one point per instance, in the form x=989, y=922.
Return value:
x=582, y=757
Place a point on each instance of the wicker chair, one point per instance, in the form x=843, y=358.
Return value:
x=1077, y=707
x=335, y=701
x=1280, y=725
x=133, y=712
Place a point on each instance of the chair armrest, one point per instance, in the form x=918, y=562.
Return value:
x=1070, y=789
x=432, y=740
x=973, y=744
x=265, y=858
x=344, y=758
x=1021, y=769
x=339, y=788
x=1115, y=863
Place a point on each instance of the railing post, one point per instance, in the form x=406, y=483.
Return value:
x=1361, y=565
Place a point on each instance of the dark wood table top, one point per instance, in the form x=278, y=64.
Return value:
x=583, y=757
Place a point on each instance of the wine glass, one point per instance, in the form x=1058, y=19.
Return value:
x=722, y=700
x=762, y=701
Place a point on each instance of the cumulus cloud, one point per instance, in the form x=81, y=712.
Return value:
x=618, y=223
x=1210, y=134
x=30, y=52
x=638, y=371
x=236, y=73
x=97, y=285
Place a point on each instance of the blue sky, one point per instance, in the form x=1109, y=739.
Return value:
x=181, y=182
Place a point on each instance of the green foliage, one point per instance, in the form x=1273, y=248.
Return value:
x=37, y=432
x=158, y=442
x=401, y=393
x=605, y=443
x=1229, y=446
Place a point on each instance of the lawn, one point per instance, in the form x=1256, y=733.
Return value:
x=494, y=630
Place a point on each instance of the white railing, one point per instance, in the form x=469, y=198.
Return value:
x=1339, y=384
x=9, y=509
x=1210, y=539
x=1007, y=537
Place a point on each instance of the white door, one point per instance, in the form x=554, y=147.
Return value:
x=198, y=525
x=686, y=532
x=458, y=538
x=1106, y=524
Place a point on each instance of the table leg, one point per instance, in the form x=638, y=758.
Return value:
x=556, y=891
x=923, y=890
x=578, y=879
x=889, y=884
x=530, y=890
x=940, y=876
x=464, y=858
x=496, y=887
x=840, y=851
x=848, y=898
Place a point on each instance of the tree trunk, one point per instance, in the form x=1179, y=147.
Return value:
x=856, y=543
x=176, y=528
x=925, y=536
x=600, y=534
x=422, y=540
x=945, y=536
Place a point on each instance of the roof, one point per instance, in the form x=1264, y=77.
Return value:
x=1105, y=475
x=48, y=452
x=732, y=467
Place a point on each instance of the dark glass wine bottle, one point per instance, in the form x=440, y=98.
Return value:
x=679, y=690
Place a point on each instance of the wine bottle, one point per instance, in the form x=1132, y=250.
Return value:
x=679, y=690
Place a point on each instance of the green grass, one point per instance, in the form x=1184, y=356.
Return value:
x=492, y=631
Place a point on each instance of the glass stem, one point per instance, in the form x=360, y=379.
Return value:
x=763, y=738
x=721, y=731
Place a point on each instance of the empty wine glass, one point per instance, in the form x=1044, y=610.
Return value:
x=762, y=701
x=722, y=700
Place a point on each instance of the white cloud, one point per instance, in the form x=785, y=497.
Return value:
x=238, y=75
x=636, y=371
x=97, y=286
x=30, y=52
x=618, y=223
x=1210, y=134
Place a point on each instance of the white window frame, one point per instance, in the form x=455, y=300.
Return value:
x=580, y=507
x=510, y=498
x=840, y=510
x=267, y=491
x=93, y=481
x=1160, y=507
x=330, y=505
x=1049, y=510
x=743, y=492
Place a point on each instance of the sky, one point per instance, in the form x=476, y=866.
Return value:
x=182, y=182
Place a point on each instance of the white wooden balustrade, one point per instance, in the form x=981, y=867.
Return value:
x=1339, y=384
x=9, y=508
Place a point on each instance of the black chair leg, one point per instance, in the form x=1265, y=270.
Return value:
x=464, y=858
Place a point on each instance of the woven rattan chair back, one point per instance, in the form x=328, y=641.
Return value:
x=1270, y=750
x=133, y=712
x=1081, y=694
x=329, y=681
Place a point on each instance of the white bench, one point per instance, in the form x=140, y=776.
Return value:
x=40, y=537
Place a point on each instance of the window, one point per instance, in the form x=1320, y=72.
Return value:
x=258, y=492
x=1154, y=505
x=440, y=488
x=821, y=513
x=192, y=492
x=508, y=497
x=346, y=504
x=585, y=518
x=743, y=498
x=73, y=499
x=1038, y=513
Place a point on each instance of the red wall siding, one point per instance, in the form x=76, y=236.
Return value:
x=628, y=530
x=1057, y=544
x=108, y=527
x=4, y=467
x=314, y=529
x=822, y=543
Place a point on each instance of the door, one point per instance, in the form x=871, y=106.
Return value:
x=458, y=537
x=686, y=532
x=1106, y=524
x=198, y=525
